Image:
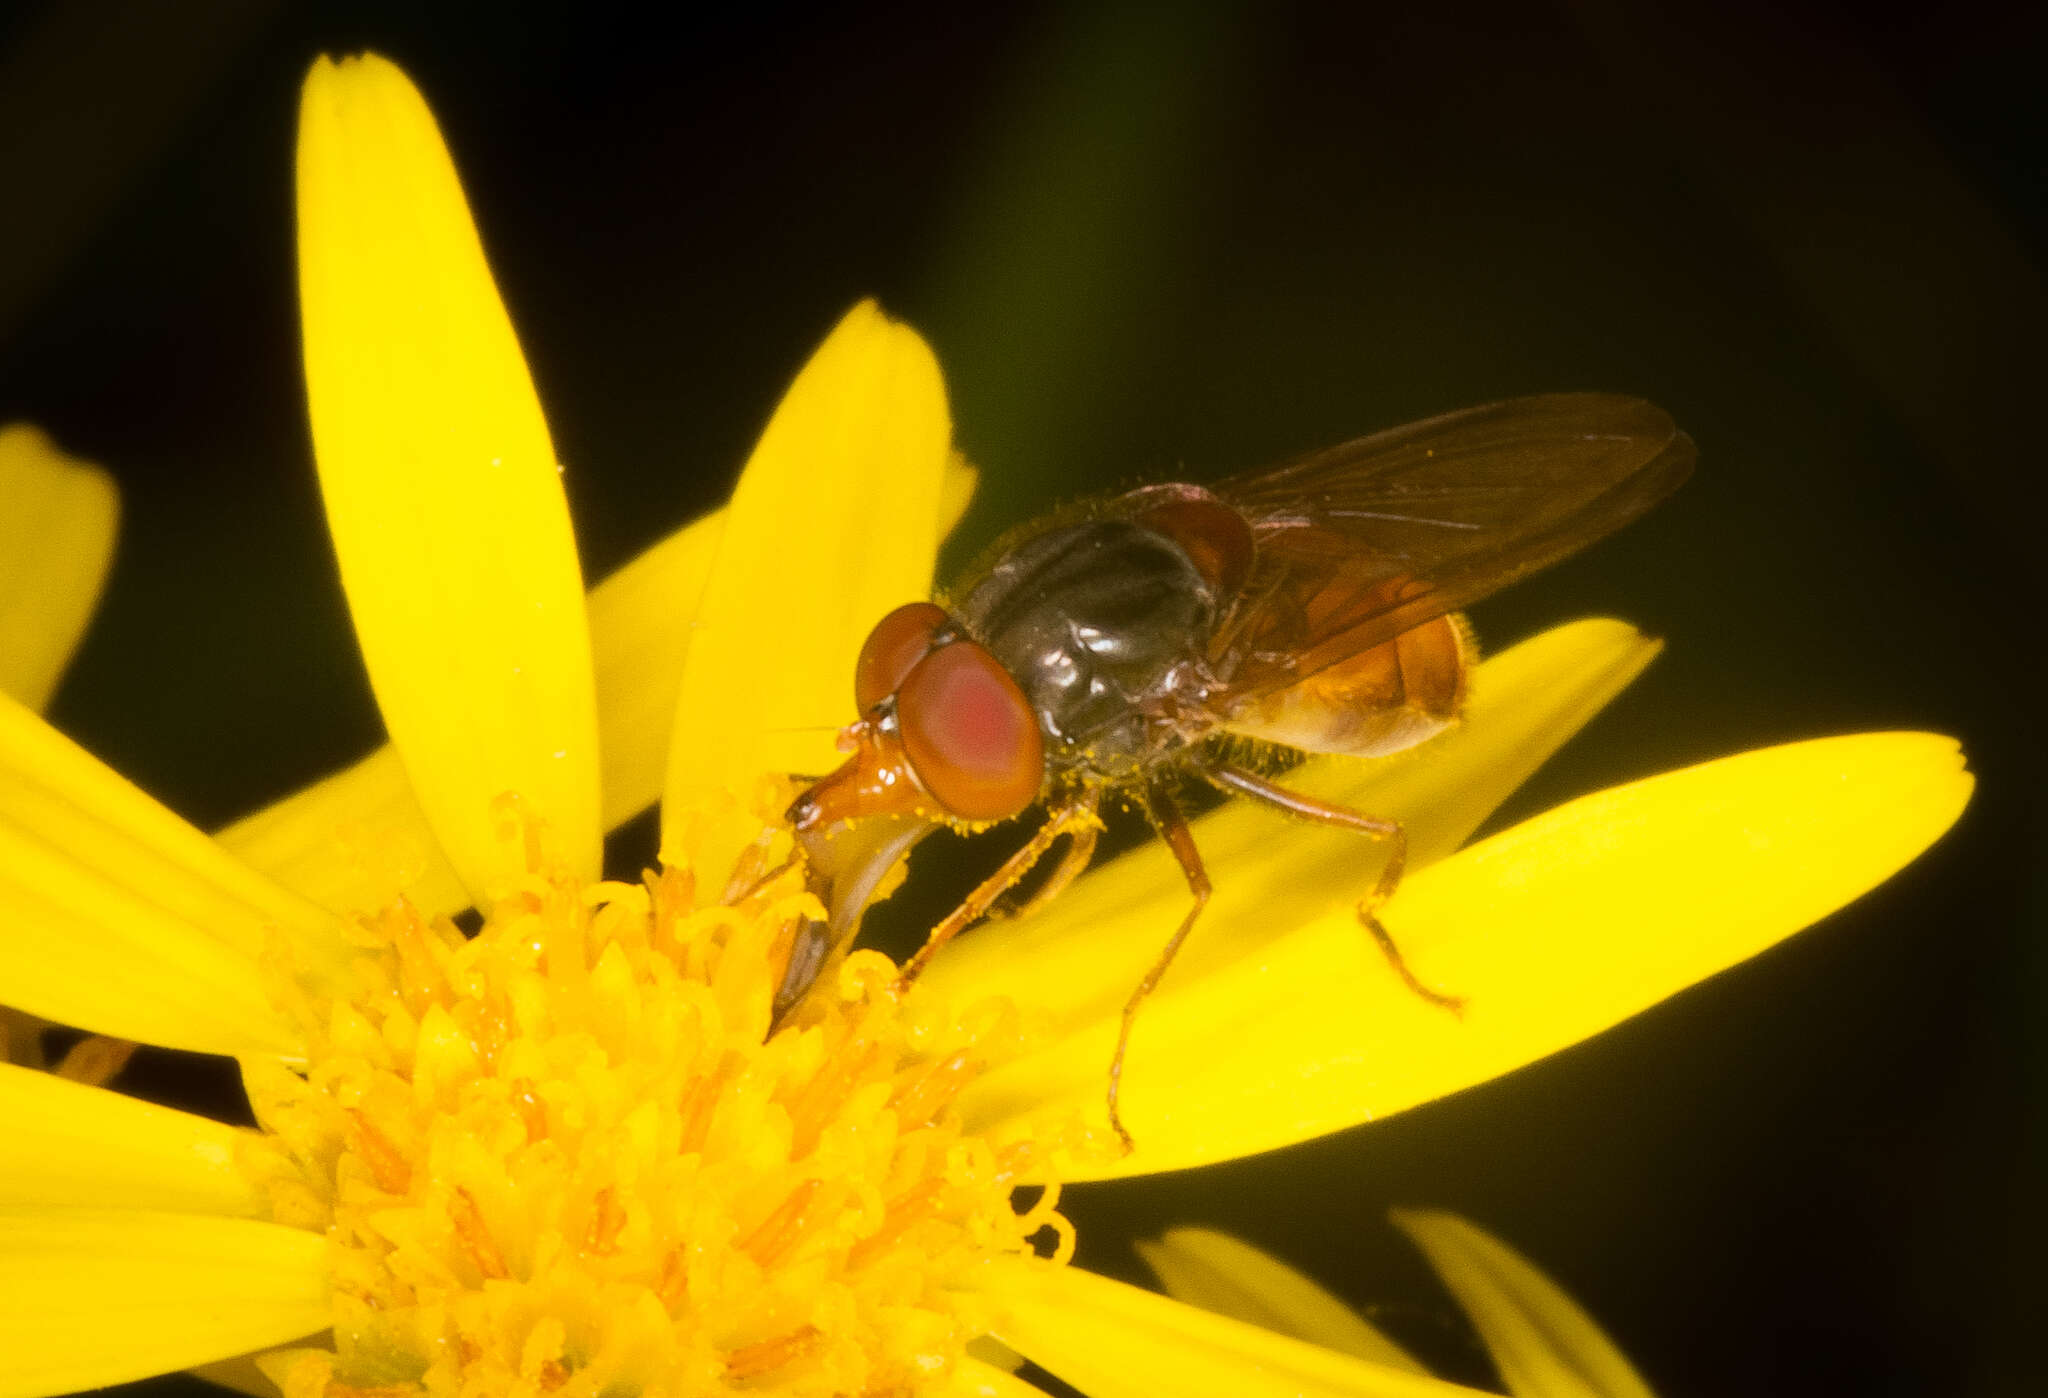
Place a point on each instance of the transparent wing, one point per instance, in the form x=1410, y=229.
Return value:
x=1360, y=542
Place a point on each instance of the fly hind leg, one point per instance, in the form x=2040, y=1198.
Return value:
x=1244, y=783
x=1383, y=889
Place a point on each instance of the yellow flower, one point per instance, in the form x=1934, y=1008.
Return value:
x=563, y=1155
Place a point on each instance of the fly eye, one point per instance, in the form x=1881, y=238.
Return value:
x=970, y=733
x=893, y=649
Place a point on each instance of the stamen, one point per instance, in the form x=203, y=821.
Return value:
x=602, y=1237
x=755, y=1360
x=476, y=1237
x=927, y=1091
x=420, y=979
x=388, y=1165
x=532, y=1114
x=698, y=1105
x=914, y=1205
x=820, y=1103
x=780, y=1228
x=673, y=1288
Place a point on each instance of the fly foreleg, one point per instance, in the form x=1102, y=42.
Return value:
x=1080, y=849
x=1069, y=819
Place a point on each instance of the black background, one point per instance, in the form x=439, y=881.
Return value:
x=1150, y=242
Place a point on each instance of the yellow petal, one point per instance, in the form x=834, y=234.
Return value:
x=1542, y=1341
x=1553, y=931
x=70, y=1144
x=351, y=841
x=441, y=485
x=1231, y=1277
x=834, y=522
x=956, y=492
x=97, y=1296
x=1115, y=1341
x=641, y=618
x=57, y=520
x=358, y=838
x=123, y=919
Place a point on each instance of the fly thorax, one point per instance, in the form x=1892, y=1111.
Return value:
x=1094, y=621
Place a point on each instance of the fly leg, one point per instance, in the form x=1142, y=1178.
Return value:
x=1075, y=816
x=1080, y=849
x=1173, y=827
x=1244, y=783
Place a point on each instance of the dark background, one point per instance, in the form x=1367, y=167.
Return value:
x=1150, y=242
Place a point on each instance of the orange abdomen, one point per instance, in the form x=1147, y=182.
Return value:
x=1378, y=701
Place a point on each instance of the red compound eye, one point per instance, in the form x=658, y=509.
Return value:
x=970, y=733
x=892, y=649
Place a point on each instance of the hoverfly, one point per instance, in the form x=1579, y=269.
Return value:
x=1100, y=652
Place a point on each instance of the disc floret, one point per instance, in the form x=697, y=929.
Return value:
x=565, y=1155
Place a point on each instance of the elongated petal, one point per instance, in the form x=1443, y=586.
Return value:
x=57, y=521
x=351, y=841
x=66, y=1143
x=1115, y=1341
x=97, y=1296
x=121, y=918
x=441, y=484
x=358, y=838
x=1553, y=931
x=956, y=493
x=1231, y=1277
x=641, y=620
x=1542, y=1341
x=834, y=522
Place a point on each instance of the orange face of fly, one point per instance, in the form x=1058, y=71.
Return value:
x=945, y=733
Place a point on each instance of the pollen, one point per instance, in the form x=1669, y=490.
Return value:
x=566, y=1155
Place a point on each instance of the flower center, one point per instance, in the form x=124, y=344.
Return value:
x=565, y=1156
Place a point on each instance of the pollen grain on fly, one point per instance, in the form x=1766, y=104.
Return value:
x=567, y=1154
